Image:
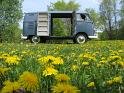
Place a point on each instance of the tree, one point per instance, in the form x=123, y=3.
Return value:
x=122, y=20
x=122, y=9
x=10, y=15
x=108, y=10
x=63, y=26
x=61, y=5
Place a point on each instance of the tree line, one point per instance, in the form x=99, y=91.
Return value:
x=109, y=18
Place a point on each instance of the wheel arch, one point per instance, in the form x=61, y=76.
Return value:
x=83, y=34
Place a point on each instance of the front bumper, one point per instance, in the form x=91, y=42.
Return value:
x=24, y=37
x=93, y=37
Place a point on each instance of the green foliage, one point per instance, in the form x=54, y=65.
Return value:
x=11, y=34
x=121, y=33
x=58, y=28
x=116, y=35
x=108, y=10
x=103, y=36
x=10, y=15
x=61, y=5
x=63, y=26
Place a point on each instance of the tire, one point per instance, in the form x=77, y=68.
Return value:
x=81, y=39
x=35, y=39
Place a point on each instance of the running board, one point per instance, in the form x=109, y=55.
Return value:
x=61, y=37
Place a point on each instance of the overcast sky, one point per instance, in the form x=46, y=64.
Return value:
x=41, y=5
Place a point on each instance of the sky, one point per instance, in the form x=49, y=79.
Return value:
x=41, y=5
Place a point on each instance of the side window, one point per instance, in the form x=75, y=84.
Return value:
x=88, y=18
x=81, y=17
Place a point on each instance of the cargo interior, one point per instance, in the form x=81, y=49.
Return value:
x=60, y=21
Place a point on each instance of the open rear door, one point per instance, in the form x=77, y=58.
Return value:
x=43, y=24
x=73, y=22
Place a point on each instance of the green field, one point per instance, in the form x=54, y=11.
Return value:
x=95, y=67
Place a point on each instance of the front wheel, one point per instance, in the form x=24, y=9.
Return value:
x=81, y=38
x=35, y=39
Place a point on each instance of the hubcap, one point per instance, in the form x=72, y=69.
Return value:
x=81, y=39
x=35, y=39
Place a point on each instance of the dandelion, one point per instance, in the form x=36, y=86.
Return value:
x=91, y=84
x=103, y=61
x=120, y=51
x=50, y=71
x=4, y=55
x=62, y=77
x=3, y=70
x=85, y=63
x=47, y=59
x=117, y=79
x=114, y=80
x=109, y=82
x=29, y=81
x=10, y=87
x=74, y=67
x=114, y=53
x=64, y=88
x=121, y=64
x=12, y=60
x=99, y=65
x=57, y=61
x=103, y=58
x=113, y=63
x=114, y=58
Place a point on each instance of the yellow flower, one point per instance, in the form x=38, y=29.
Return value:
x=109, y=82
x=99, y=65
x=103, y=58
x=85, y=63
x=88, y=56
x=62, y=77
x=4, y=55
x=117, y=79
x=50, y=71
x=120, y=51
x=114, y=80
x=103, y=61
x=29, y=81
x=44, y=60
x=10, y=87
x=57, y=61
x=74, y=67
x=3, y=70
x=114, y=58
x=113, y=63
x=121, y=64
x=81, y=56
x=114, y=53
x=12, y=60
x=91, y=84
x=64, y=88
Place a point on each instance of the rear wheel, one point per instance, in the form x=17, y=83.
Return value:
x=81, y=38
x=35, y=39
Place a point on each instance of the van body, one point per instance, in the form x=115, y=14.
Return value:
x=38, y=27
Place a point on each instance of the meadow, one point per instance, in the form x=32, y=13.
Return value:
x=94, y=67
